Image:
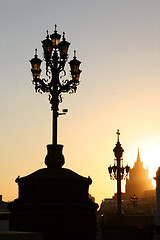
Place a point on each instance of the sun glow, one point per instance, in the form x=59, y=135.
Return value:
x=150, y=156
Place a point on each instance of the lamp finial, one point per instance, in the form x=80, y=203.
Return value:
x=35, y=52
x=63, y=35
x=55, y=28
x=118, y=133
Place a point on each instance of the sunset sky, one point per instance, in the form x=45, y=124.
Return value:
x=118, y=43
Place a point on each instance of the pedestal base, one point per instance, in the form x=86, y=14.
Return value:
x=55, y=221
x=54, y=201
x=54, y=157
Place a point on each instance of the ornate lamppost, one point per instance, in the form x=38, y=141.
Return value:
x=118, y=172
x=53, y=199
x=55, y=57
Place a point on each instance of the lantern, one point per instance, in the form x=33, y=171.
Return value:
x=47, y=48
x=36, y=63
x=74, y=65
x=63, y=47
x=55, y=37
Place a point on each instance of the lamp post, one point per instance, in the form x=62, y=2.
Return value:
x=118, y=172
x=55, y=57
x=134, y=201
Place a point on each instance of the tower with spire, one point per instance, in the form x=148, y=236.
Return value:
x=138, y=181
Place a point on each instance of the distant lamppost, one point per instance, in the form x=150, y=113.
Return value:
x=55, y=56
x=118, y=172
x=134, y=201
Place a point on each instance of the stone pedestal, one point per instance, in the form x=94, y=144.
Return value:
x=54, y=201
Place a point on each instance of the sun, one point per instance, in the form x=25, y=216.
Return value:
x=150, y=156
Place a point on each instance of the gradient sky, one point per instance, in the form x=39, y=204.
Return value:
x=118, y=43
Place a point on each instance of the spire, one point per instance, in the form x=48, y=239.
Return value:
x=138, y=157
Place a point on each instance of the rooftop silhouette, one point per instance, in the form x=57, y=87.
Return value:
x=138, y=180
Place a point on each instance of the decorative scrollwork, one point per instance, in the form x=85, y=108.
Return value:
x=48, y=72
x=45, y=80
x=64, y=81
x=60, y=98
x=55, y=56
x=50, y=97
x=72, y=90
x=45, y=85
x=64, y=73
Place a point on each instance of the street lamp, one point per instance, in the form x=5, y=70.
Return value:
x=134, y=201
x=55, y=57
x=118, y=172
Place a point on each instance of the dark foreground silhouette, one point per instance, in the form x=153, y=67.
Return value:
x=54, y=201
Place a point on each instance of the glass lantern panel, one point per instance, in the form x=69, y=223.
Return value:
x=36, y=75
x=49, y=48
x=75, y=68
x=64, y=49
x=75, y=76
x=36, y=66
x=55, y=41
x=74, y=64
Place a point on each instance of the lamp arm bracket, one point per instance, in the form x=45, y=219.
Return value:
x=65, y=87
x=44, y=80
x=41, y=86
x=44, y=85
x=63, y=73
x=69, y=86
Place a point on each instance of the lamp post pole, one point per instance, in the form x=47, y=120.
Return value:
x=134, y=200
x=119, y=200
x=55, y=77
x=55, y=57
x=118, y=172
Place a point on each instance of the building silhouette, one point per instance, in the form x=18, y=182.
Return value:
x=138, y=181
x=4, y=215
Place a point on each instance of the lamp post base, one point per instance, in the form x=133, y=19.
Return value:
x=54, y=202
x=54, y=157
